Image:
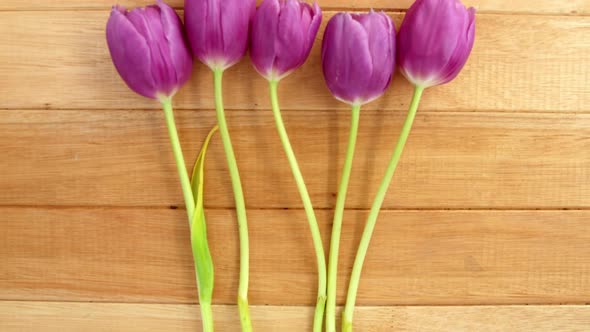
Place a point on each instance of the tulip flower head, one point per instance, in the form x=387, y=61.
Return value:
x=435, y=40
x=218, y=30
x=283, y=33
x=358, y=56
x=149, y=49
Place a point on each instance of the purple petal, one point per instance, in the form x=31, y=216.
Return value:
x=264, y=31
x=314, y=26
x=130, y=53
x=346, y=59
x=381, y=33
x=180, y=54
x=218, y=30
x=203, y=27
x=291, y=38
x=283, y=33
x=432, y=43
x=147, y=21
x=459, y=58
x=236, y=20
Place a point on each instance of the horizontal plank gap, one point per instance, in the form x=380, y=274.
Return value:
x=548, y=304
x=217, y=208
x=318, y=111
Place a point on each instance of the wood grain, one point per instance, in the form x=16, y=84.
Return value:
x=489, y=210
x=60, y=61
x=503, y=6
x=453, y=160
x=416, y=257
x=94, y=317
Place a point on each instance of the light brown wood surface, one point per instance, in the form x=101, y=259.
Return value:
x=417, y=258
x=74, y=317
x=541, y=68
x=486, y=226
x=453, y=160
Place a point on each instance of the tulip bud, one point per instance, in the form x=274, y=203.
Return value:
x=358, y=56
x=434, y=41
x=283, y=33
x=218, y=30
x=149, y=49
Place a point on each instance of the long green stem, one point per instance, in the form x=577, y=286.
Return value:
x=204, y=299
x=313, y=224
x=372, y=219
x=337, y=224
x=240, y=204
x=185, y=181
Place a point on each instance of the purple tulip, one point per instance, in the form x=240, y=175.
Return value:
x=435, y=40
x=149, y=49
x=358, y=56
x=218, y=30
x=283, y=33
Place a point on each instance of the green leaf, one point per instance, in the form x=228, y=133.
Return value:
x=200, y=245
x=198, y=176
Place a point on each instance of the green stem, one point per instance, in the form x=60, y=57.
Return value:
x=313, y=224
x=337, y=224
x=185, y=181
x=207, y=316
x=372, y=219
x=240, y=204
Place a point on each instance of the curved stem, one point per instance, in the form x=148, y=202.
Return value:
x=240, y=204
x=313, y=224
x=206, y=314
x=185, y=181
x=337, y=224
x=372, y=219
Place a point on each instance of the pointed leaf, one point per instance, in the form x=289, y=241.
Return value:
x=199, y=169
x=200, y=246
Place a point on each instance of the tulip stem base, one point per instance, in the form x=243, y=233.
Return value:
x=313, y=224
x=240, y=204
x=337, y=224
x=244, y=314
x=376, y=207
x=206, y=316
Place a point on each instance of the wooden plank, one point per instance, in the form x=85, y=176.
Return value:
x=501, y=6
x=416, y=257
x=96, y=317
x=453, y=160
x=520, y=63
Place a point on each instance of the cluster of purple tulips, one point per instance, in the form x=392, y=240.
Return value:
x=153, y=52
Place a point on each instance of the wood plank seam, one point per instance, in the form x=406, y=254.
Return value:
x=255, y=208
x=262, y=305
x=265, y=111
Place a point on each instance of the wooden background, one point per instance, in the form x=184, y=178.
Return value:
x=486, y=228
